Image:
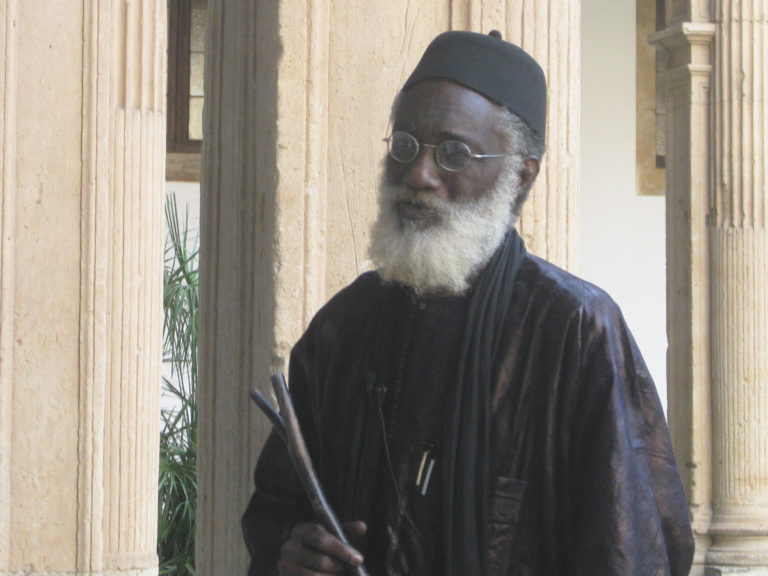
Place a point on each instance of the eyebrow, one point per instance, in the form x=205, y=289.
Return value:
x=449, y=135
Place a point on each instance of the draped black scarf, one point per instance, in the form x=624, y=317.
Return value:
x=465, y=469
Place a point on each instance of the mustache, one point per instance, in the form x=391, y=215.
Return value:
x=395, y=194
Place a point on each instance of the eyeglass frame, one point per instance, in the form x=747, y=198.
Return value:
x=421, y=145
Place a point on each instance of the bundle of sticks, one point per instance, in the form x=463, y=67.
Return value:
x=287, y=426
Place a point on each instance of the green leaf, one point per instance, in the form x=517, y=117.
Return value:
x=177, y=481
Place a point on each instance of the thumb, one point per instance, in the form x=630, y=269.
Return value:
x=355, y=530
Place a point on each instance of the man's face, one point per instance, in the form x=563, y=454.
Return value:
x=434, y=111
x=436, y=229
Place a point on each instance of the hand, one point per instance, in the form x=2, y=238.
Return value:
x=313, y=551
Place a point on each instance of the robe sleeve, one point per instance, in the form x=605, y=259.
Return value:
x=279, y=501
x=629, y=509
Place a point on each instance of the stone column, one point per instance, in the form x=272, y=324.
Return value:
x=738, y=246
x=717, y=256
x=298, y=97
x=238, y=265
x=126, y=44
x=551, y=32
x=686, y=81
x=81, y=204
x=8, y=97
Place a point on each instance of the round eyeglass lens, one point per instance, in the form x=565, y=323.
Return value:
x=453, y=155
x=403, y=147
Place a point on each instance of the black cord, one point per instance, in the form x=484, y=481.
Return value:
x=401, y=507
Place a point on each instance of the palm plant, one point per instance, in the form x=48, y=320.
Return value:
x=177, y=496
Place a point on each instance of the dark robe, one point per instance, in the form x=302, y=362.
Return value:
x=583, y=478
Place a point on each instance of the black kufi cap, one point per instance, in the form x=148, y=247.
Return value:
x=499, y=70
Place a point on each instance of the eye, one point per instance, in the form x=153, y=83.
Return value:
x=453, y=155
x=403, y=147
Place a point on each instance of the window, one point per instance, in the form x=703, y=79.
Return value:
x=186, y=62
x=651, y=117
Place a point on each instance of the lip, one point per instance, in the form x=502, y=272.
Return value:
x=416, y=212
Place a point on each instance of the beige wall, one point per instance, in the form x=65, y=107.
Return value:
x=43, y=271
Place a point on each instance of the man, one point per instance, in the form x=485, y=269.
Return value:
x=470, y=408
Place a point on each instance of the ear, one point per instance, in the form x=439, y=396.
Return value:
x=529, y=172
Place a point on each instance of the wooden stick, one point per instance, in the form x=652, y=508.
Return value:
x=271, y=413
x=287, y=425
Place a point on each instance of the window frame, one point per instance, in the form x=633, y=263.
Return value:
x=649, y=112
x=182, y=153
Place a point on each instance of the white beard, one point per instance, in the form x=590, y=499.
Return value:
x=444, y=256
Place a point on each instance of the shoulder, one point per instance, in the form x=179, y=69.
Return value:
x=355, y=299
x=559, y=293
x=349, y=310
x=581, y=322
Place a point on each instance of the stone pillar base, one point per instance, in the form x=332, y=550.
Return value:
x=147, y=572
x=725, y=571
x=738, y=554
x=739, y=541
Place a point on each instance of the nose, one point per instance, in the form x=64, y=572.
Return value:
x=423, y=173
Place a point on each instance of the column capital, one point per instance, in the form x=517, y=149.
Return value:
x=687, y=47
x=684, y=33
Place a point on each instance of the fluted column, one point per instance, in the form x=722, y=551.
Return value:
x=81, y=255
x=738, y=243
x=121, y=299
x=717, y=254
x=136, y=181
x=686, y=81
x=298, y=97
x=551, y=32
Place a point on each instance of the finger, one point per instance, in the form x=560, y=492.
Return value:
x=287, y=567
x=311, y=543
x=317, y=537
x=354, y=531
x=296, y=558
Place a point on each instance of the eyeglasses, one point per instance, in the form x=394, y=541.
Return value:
x=450, y=155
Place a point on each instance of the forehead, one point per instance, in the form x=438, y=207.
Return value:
x=441, y=107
